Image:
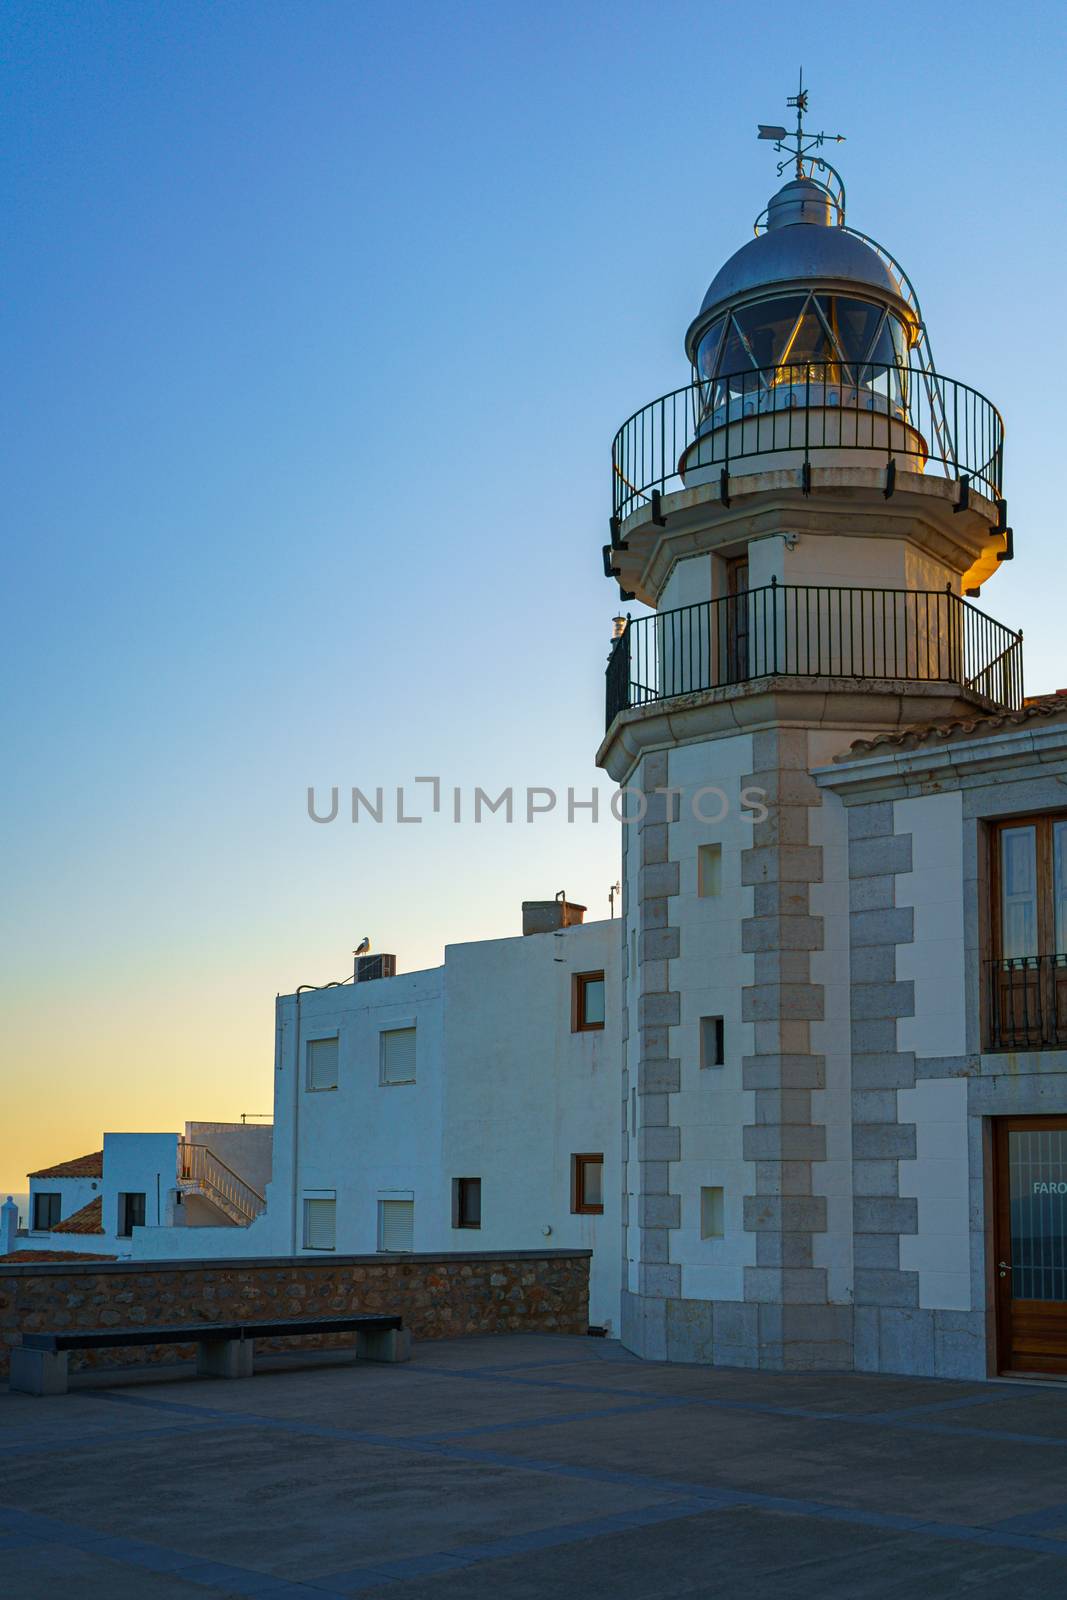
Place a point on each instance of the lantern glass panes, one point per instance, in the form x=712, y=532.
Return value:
x=802, y=338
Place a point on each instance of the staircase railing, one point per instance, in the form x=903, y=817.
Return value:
x=200, y=1166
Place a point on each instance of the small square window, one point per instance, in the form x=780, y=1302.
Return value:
x=46, y=1211
x=398, y=1055
x=322, y=1063
x=712, y=1042
x=587, y=1183
x=466, y=1202
x=588, y=1002
x=320, y=1223
x=396, y=1225
x=711, y=1225
x=709, y=871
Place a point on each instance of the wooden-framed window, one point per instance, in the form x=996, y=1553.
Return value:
x=46, y=1211
x=587, y=1183
x=587, y=1008
x=1027, y=974
x=466, y=1202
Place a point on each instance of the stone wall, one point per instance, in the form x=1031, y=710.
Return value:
x=438, y=1296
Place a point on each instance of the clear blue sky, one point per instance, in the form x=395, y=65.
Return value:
x=319, y=321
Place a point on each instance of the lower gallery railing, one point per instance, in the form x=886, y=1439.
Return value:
x=1026, y=1000
x=804, y=630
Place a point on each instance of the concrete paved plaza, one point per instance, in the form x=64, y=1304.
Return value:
x=526, y=1467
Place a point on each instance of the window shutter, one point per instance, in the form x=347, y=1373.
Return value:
x=322, y=1063
x=396, y=1224
x=320, y=1224
x=398, y=1055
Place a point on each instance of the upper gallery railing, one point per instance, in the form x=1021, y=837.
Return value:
x=935, y=424
x=806, y=631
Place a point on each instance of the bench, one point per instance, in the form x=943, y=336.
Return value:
x=223, y=1349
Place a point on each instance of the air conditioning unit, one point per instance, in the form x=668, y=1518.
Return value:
x=368, y=967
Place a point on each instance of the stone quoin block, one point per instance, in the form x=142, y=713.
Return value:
x=885, y=1216
x=890, y=925
x=872, y=821
x=873, y=858
x=872, y=1287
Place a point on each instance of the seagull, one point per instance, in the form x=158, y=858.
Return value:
x=363, y=949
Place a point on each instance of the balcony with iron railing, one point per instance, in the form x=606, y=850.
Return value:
x=1026, y=1003
x=822, y=412
x=808, y=631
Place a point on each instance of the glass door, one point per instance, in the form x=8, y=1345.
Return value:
x=1031, y=1244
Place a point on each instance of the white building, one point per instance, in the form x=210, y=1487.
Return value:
x=472, y=1106
x=214, y=1176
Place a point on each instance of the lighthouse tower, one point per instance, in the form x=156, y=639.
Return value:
x=809, y=519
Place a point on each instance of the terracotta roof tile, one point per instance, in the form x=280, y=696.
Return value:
x=974, y=727
x=19, y=1258
x=90, y=1219
x=90, y=1166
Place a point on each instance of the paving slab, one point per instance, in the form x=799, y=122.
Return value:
x=520, y=1466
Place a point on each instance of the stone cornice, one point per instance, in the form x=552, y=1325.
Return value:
x=849, y=704
x=847, y=501
x=890, y=770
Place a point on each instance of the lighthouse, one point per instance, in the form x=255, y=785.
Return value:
x=801, y=532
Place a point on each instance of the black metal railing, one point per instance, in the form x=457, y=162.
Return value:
x=935, y=424
x=1026, y=999
x=799, y=630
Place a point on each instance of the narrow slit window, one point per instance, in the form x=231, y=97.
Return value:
x=712, y=1042
x=709, y=871
x=711, y=1213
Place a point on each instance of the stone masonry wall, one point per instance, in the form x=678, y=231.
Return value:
x=438, y=1296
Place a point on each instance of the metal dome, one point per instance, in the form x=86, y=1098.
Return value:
x=802, y=247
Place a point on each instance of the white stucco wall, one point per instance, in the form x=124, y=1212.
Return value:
x=689, y=583
x=139, y=1163
x=938, y=1177
x=523, y=1094
x=711, y=1108
x=245, y=1147
x=831, y=1037
x=935, y=961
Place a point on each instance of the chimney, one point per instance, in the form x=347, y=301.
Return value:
x=369, y=967
x=548, y=916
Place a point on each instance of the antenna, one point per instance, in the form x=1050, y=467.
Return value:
x=805, y=142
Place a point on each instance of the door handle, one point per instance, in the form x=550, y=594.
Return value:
x=1005, y=1268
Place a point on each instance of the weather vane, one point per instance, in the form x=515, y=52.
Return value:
x=805, y=142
